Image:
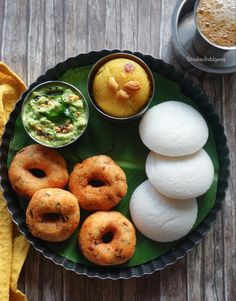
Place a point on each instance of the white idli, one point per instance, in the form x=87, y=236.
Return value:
x=160, y=218
x=173, y=128
x=180, y=177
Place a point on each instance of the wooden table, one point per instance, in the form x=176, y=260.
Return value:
x=35, y=35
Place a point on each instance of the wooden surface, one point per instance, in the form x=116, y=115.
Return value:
x=34, y=36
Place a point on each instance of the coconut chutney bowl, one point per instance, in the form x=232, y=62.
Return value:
x=55, y=114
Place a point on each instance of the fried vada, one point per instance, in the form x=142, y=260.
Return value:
x=35, y=167
x=107, y=238
x=53, y=214
x=98, y=183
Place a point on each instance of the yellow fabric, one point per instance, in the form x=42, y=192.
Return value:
x=13, y=245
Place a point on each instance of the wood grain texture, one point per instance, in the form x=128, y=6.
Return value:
x=34, y=36
x=229, y=206
x=2, y=12
x=35, y=40
x=96, y=16
x=75, y=22
x=14, y=36
x=212, y=244
x=33, y=276
x=195, y=268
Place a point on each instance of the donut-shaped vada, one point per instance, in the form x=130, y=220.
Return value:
x=107, y=238
x=37, y=158
x=53, y=214
x=98, y=183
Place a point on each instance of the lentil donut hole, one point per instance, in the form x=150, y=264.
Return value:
x=36, y=167
x=107, y=238
x=53, y=214
x=98, y=183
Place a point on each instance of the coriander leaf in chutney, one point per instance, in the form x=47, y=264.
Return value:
x=54, y=114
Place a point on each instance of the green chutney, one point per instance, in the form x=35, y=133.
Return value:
x=54, y=114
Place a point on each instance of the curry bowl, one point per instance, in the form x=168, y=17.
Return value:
x=128, y=60
x=55, y=114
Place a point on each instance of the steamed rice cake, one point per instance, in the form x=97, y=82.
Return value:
x=180, y=177
x=173, y=128
x=160, y=218
x=121, y=87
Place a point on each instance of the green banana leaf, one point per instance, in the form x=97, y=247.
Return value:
x=123, y=144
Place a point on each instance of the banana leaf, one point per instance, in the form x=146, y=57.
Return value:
x=123, y=144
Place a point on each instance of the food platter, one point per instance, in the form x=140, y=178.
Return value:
x=165, y=75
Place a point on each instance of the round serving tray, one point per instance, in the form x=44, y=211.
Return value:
x=188, y=242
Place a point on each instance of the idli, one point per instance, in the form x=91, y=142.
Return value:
x=173, y=128
x=160, y=218
x=180, y=177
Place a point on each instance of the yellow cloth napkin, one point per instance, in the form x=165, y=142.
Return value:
x=13, y=245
